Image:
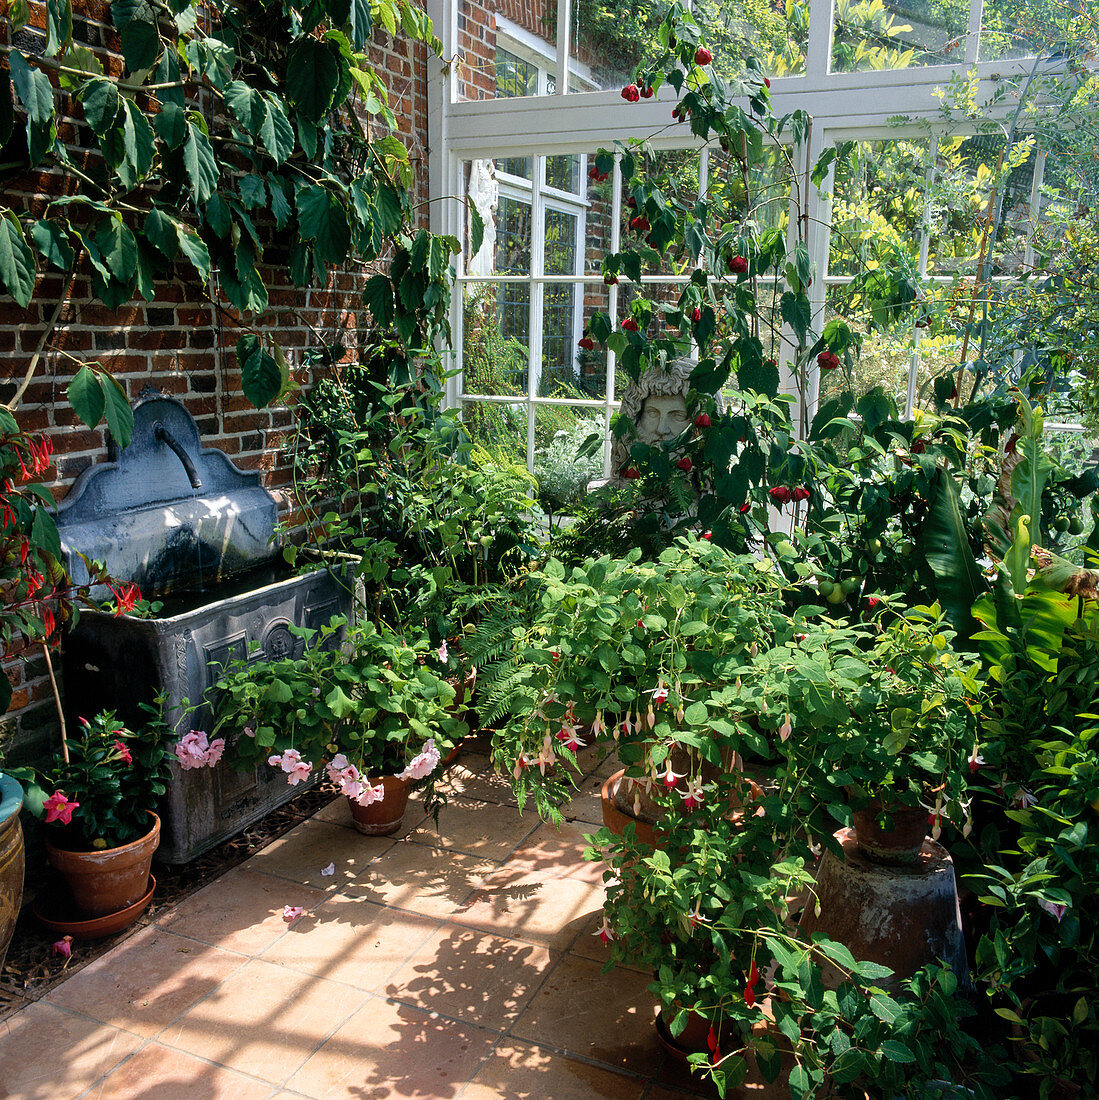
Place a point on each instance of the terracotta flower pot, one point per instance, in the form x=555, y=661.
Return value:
x=11, y=860
x=383, y=817
x=106, y=881
x=900, y=842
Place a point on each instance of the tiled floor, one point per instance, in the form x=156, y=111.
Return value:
x=457, y=963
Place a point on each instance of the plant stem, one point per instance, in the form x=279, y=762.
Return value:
x=56, y=701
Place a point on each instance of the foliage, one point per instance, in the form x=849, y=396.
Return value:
x=373, y=697
x=563, y=470
x=111, y=777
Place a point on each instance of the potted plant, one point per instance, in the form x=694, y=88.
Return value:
x=372, y=710
x=96, y=796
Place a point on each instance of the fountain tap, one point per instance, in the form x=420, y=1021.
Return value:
x=165, y=436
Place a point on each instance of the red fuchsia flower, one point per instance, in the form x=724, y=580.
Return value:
x=598, y=726
x=873, y=601
x=975, y=761
x=610, y=280
x=605, y=933
x=660, y=695
x=702, y=420
x=703, y=56
x=685, y=464
x=694, y=795
x=640, y=224
x=59, y=808
x=828, y=360
x=715, y=1050
x=62, y=947
x=630, y=325
x=696, y=314
x=124, y=753
x=670, y=778
x=570, y=738
x=749, y=996
x=127, y=597
x=780, y=494
x=631, y=93
x=1023, y=799
x=631, y=473
x=746, y=507
x=647, y=92
x=707, y=535
x=800, y=493
x=587, y=343
x=40, y=455
x=48, y=623
x=738, y=265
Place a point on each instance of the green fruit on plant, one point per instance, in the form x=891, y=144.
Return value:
x=1076, y=526
x=851, y=584
x=836, y=595
x=1061, y=523
x=874, y=546
x=825, y=588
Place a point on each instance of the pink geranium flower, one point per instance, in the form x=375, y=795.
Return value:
x=370, y=794
x=291, y=912
x=196, y=750
x=62, y=947
x=59, y=808
x=423, y=764
x=291, y=762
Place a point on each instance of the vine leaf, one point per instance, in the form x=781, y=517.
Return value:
x=33, y=88
x=59, y=26
x=312, y=77
x=198, y=159
x=261, y=377
x=322, y=218
x=17, y=269
x=86, y=396
x=120, y=417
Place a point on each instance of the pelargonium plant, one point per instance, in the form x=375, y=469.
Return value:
x=368, y=706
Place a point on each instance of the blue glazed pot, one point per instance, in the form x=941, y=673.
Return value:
x=11, y=859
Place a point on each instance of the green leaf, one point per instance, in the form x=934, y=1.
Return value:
x=138, y=142
x=280, y=208
x=944, y=540
x=247, y=105
x=140, y=45
x=312, y=76
x=171, y=125
x=261, y=378
x=17, y=270
x=52, y=243
x=897, y=1052
x=101, y=104
x=378, y=298
x=360, y=21
x=86, y=396
x=59, y=26
x=799, y=1082
x=160, y=231
x=253, y=191
x=276, y=133
x=33, y=88
x=476, y=230
x=44, y=534
x=120, y=417
x=797, y=313
x=339, y=703
x=117, y=247
x=83, y=60
x=194, y=248
x=198, y=159
x=322, y=218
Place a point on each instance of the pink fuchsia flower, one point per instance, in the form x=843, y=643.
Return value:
x=1054, y=909
x=291, y=913
x=62, y=947
x=670, y=777
x=196, y=750
x=785, y=729
x=598, y=726
x=568, y=736
x=123, y=753
x=1023, y=799
x=975, y=761
x=443, y=652
x=694, y=795
x=423, y=764
x=327, y=872
x=605, y=933
x=660, y=695
x=935, y=818
x=60, y=808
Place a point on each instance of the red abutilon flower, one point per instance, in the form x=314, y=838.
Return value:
x=640, y=224
x=738, y=265
x=702, y=420
x=873, y=601
x=631, y=473
x=587, y=343
x=780, y=494
x=647, y=91
x=610, y=280
x=630, y=325
x=696, y=315
x=631, y=202
x=631, y=93
x=703, y=56
x=767, y=82
x=685, y=464
x=59, y=808
x=918, y=447
x=828, y=360
x=800, y=493
x=124, y=753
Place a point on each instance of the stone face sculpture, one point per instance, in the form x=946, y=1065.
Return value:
x=657, y=406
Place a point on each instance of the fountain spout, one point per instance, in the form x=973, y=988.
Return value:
x=166, y=437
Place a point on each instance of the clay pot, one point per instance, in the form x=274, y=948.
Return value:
x=900, y=842
x=55, y=909
x=383, y=817
x=11, y=860
x=693, y=1039
x=109, y=880
x=616, y=819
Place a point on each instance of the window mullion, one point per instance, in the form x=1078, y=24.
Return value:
x=564, y=10
x=612, y=304
x=973, y=33
x=537, y=297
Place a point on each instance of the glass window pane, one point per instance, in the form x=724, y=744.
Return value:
x=561, y=229
x=513, y=237
x=898, y=34
x=520, y=167
x=499, y=427
x=563, y=173
x=1019, y=28
x=560, y=433
x=495, y=338
x=506, y=53
x=560, y=332
x=775, y=34
x=609, y=38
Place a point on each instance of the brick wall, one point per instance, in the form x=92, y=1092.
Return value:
x=181, y=343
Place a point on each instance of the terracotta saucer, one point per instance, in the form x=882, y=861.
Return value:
x=55, y=909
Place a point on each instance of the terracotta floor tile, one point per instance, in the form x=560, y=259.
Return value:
x=479, y=828
x=147, y=981
x=587, y=804
x=473, y=777
x=351, y=941
x=49, y=1054
x=484, y=979
x=598, y=760
x=166, y=1074
x=522, y=1072
x=607, y=1017
x=306, y=851
x=338, y=812
x=240, y=911
x=529, y=906
x=264, y=1020
x=559, y=851
x=431, y=881
x=389, y=1050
